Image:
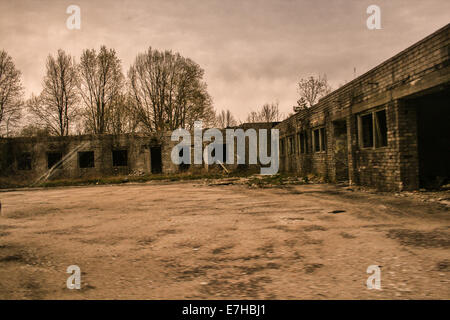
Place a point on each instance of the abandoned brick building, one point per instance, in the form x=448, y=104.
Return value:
x=28, y=160
x=388, y=128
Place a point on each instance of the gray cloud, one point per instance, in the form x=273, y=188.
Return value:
x=252, y=51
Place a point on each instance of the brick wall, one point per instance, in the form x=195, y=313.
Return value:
x=418, y=69
x=138, y=152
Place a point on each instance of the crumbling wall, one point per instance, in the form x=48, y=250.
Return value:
x=418, y=69
x=135, y=152
x=136, y=147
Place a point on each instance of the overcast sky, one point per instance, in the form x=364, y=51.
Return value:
x=252, y=51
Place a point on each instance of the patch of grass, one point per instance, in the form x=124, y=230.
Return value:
x=277, y=180
x=5, y=184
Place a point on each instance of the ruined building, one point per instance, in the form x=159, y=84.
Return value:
x=388, y=128
x=28, y=161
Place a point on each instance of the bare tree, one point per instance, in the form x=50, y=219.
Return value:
x=168, y=91
x=12, y=119
x=11, y=92
x=201, y=108
x=56, y=106
x=101, y=80
x=34, y=130
x=270, y=112
x=253, y=117
x=226, y=119
x=312, y=89
x=122, y=118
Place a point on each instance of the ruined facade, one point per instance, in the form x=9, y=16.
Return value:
x=28, y=161
x=388, y=128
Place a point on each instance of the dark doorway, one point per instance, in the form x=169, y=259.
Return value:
x=24, y=161
x=340, y=150
x=183, y=166
x=156, y=160
x=433, y=118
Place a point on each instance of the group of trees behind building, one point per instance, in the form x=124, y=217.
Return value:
x=310, y=90
x=162, y=90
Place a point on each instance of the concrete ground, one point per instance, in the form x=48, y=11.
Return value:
x=198, y=241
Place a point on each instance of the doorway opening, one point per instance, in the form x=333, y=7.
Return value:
x=433, y=136
x=183, y=167
x=156, y=159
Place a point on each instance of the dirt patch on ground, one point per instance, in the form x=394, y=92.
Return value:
x=443, y=265
x=428, y=239
x=200, y=240
x=314, y=228
x=346, y=235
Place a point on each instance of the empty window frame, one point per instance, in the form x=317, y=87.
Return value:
x=372, y=129
x=86, y=159
x=120, y=158
x=366, y=130
x=319, y=140
x=54, y=158
x=282, y=146
x=224, y=152
x=24, y=161
x=303, y=142
x=316, y=140
x=380, y=129
x=291, y=145
x=323, y=139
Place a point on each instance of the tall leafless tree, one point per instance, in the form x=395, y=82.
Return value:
x=253, y=117
x=270, y=112
x=122, y=117
x=312, y=89
x=168, y=91
x=34, y=130
x=101, y=81
x=12, y=120
x=226, y=119
x=56, y=106
x=11, y=92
